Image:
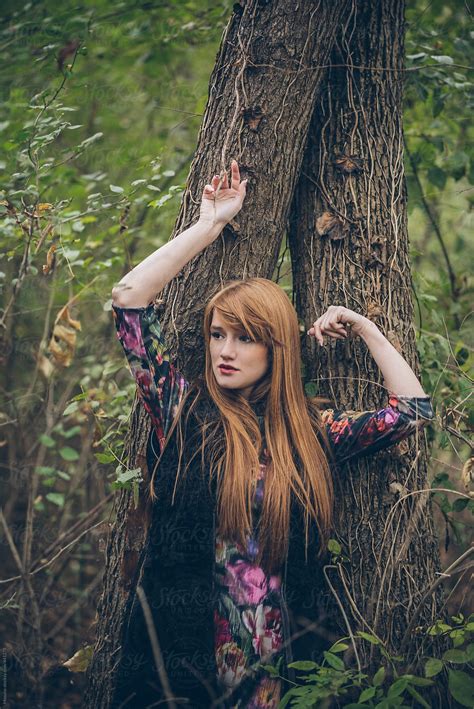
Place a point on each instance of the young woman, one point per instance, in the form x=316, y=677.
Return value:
x=241, y=464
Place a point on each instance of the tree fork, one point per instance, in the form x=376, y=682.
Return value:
x=267, y=77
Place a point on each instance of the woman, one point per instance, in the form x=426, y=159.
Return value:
x=241, y=479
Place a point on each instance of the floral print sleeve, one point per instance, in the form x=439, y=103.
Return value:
x=354, y=434
x=160, y=385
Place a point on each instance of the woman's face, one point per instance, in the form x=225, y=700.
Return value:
x=234, y=348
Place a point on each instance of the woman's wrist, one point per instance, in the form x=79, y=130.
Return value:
x=211, y=226
x=369, y=332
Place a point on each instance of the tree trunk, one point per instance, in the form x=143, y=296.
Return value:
x=265, y=82
x=349, y=246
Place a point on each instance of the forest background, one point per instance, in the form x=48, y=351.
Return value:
x=101, y=107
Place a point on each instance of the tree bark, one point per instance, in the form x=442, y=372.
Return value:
x=268, y=72
x=349, y=246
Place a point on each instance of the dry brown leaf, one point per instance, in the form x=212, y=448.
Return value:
x=62, y=344
x=397, y=487
x=349, y=163
x=45, y=366
x=50, y=260
x=466, y=475
x=374, y=310
x=331, y=225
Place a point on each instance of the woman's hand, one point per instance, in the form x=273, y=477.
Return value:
x=335, y=322
x=220, y=203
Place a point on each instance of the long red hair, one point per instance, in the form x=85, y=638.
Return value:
x=298, y=464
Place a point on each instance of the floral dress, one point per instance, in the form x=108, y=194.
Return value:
x=248, y=617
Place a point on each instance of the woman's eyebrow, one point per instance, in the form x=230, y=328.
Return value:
x=221, y=329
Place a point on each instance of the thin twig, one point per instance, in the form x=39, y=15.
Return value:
x=155, y=646
x=50, y=561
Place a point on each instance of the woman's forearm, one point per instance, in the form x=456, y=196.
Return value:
x=140, y=286
x=398, y=375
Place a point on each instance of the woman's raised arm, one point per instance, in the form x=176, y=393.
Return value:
x=219, y=204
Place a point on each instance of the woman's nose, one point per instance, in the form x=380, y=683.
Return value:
x=228, y=348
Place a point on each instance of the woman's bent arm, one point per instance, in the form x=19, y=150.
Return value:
x=397, y=373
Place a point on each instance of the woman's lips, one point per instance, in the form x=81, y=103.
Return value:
x=227, y=370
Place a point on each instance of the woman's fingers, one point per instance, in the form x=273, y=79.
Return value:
x=219, y=183
x=328, y=325
x=235, y=175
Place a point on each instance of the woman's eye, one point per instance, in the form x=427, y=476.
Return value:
x=245, y=338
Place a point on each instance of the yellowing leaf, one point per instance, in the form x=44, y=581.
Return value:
x=79, y=662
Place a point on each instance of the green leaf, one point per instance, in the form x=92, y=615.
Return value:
x=456, y=656
x=397, y=687
x=334, y=660
x=304, y=665
x=339, y=647
x=47, y=441
x=71, y=408
x=334, y=546
x=461, y=686
x=418, y=681
x=459, y=505
x=104, y=457
x=45, y=470
x=71, y=432
x=439, y=628
x=416, y=695
x=68, y=453
x=270, y=669
x=311, y=389
x=367, y=694
x=128, y=475
x=57, y=498
x=416, y=57
x=379, y=677
x=370, y=638
x=442, y=59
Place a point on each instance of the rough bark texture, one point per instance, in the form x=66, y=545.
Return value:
x=262, y=91
x=349, y=246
